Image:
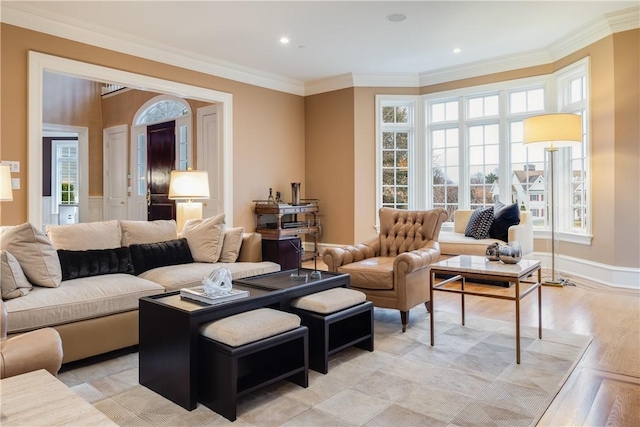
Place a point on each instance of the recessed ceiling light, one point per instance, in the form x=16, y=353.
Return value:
x=457, y=50
x=284, y=40
x=396, y=17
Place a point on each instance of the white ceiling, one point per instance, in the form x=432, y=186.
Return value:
x=331, y=38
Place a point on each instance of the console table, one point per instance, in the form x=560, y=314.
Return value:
x=169, y=327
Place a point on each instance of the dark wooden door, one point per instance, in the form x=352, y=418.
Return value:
x=161, y=159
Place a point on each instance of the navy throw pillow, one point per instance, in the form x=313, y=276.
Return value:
x=94, y=262
x=504, y=216
x=480, y=223
x=152, y=255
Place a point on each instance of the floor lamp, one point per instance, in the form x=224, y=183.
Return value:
x=552, y=131
x=188, y=185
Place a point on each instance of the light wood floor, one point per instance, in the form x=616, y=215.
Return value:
x=604, y=389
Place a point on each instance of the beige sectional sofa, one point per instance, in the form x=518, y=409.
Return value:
x=99, y=312
x=456, y=243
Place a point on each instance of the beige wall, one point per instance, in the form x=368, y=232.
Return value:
x=330, y=165
x=268, y=128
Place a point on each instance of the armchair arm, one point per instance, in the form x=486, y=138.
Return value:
x=39, y=349
x=418, y=259
x=523, y=233
x=335, y=257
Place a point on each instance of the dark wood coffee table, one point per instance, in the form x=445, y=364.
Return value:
x=169, y=325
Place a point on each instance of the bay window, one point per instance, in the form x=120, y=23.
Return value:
x=466, y=150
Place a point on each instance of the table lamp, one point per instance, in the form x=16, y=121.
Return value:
x=190, y=185
x=552, y=131
x=6, y=194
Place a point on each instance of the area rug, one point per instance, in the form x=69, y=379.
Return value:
x=469, y=378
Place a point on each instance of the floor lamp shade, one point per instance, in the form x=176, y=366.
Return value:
x=188, y=185
x=552, y=131
x=6, y=194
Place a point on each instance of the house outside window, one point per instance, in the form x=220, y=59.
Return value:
x=466, y=150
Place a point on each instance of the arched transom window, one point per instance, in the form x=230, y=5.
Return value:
x=162, y=111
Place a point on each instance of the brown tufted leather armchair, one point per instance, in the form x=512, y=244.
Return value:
x=19, y=354
x=392, y=269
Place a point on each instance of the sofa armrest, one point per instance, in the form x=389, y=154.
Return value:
x=335, y=257
x=39, y=349
x=251, y=248
x=418, y=259
x=523, y=233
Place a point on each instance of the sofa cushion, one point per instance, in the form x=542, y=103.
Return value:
x=205, y=237
x=231, y=244
x=13, y=282
x=480, y=223
x=35, y=253
x=371, y=273
x=452, y=243
x=93, y=262
x=141, y=232
x=151, y=255
x=78, y=299
x=503, y=218
x=86, y=235
x=189, y=275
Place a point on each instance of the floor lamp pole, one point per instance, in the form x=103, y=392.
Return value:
x=554, y=281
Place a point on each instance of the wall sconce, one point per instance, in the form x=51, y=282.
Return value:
x=190, y=185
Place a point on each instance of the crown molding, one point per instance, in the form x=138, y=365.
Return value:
x=20, y=15
x=597, y=29
x=341, y=81
x=485, y=67
x=590, y=33
x=387, y=80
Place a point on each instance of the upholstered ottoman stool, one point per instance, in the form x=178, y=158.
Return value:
x=337, y=318
x=241, y=353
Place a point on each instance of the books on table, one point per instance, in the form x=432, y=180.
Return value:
x=197, y=293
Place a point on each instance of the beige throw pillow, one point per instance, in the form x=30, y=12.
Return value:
x=85, y=236
x=142, y=232
x=13, y=281
x=205, y=238
x=35, y=253
x=231, y=244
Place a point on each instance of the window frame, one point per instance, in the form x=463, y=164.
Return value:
x=420, y=145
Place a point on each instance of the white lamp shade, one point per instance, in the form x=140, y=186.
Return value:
x=6, y=194
x=189, y=184
x=553, y=130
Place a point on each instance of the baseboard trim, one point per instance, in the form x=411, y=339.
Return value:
x=593, y=272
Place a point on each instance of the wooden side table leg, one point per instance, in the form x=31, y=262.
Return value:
x=432, y=277
x=462, y=295
x=517, y=300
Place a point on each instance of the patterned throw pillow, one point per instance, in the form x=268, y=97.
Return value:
x=480, y=223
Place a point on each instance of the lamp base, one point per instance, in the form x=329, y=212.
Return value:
x=557, y=282
x=315, y=274
x=186, y=211
x=299, y=276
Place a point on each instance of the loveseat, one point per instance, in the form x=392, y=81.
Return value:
x=85, y=279
x=456, y=243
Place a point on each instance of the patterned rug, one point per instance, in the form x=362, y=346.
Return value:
x=469, y=378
